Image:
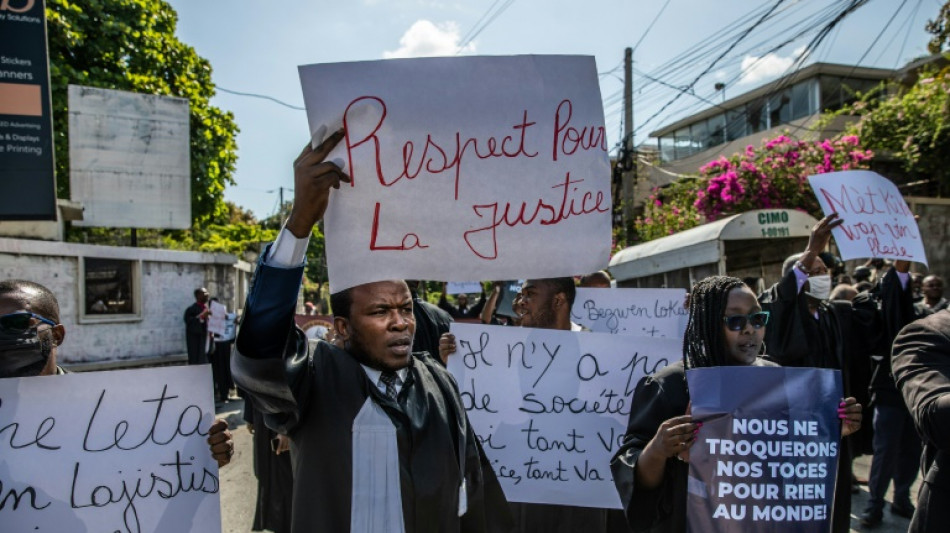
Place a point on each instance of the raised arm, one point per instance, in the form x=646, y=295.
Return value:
x=270, y=351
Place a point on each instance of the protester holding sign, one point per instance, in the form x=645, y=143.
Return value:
x=809, y=330
x=546, y=304
x=379, y=438
x=30, y=335
x=726, y=327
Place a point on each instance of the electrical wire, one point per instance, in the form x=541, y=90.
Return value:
x=476, y=29
x=742, y=36
x=262, y=96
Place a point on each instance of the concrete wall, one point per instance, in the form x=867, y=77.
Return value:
x=168, y=279
x=934, y=226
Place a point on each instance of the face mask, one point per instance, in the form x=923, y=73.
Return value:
x=819, y=286
x=23, y=353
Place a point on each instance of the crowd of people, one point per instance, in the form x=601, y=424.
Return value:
x=379, y=439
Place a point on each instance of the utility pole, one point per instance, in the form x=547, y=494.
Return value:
x=281, y=204
x=628, y=158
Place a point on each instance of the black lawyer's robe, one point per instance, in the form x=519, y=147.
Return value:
x=657, y=398
x=844, y=336
x=431, y=323
x=313, y=396
x=921, y=363
x=275, y=477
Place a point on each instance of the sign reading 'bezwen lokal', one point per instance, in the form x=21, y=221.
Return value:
x=464, y=168
x=119, y=451
x=877, y=221
x=642, y=312
x=550, y=407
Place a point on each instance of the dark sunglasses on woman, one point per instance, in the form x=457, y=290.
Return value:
x=738, y=322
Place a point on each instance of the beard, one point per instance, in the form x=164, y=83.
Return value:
x=544, y=318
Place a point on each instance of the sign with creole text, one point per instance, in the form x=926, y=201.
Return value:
x=766, y=456
x=121, y=451
x=641, y=312
x=550, y=407
x=463, y=168
x=877, y=220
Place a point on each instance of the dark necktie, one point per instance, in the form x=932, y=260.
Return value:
x=388, y=378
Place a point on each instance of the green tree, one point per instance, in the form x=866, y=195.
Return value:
x=911, y=127
x=315, y=272
x=131, y=45
x=940, y=29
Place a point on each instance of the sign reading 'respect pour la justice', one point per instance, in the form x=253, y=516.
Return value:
x=464, y=168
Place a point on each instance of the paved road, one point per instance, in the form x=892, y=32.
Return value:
x=239, y=486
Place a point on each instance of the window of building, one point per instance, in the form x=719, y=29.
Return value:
x=683, y=143
x=804, y=99
x=699, y=135
x=667, y=148
x=717, y=130
x=110, y=290
x=780, y=108
x=735, y=124
x=756, y=116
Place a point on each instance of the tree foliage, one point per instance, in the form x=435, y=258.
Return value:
x=912, y=126
x=131, y=45
x=315, y=273
x=940, y=29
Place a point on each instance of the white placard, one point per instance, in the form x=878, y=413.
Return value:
x=129, y=158
x=463, y=287
x=641, y=312
x=464, y=168
x=877, y=221
x=218, y=319
x=551, y=407
x=111, y=451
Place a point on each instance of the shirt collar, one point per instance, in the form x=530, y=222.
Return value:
x=374, y=374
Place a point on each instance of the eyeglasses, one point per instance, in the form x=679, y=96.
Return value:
x=21, y=321
x=738, y=322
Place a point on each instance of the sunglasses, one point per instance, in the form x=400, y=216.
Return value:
x=22, y=321
x=738, y=322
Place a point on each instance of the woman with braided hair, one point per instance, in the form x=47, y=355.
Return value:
x=726, y=327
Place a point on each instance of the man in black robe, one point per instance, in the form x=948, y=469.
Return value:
x=196, y=328
x=379, y=438
x=921, y=363
x=462, y=310
x=431, y=322
x=807, y=330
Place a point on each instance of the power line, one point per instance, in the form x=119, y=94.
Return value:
x=480, y=26
x=650, y=26
x=713, y=64
x=263, y=96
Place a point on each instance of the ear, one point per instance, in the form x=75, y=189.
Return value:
x=559, y=300
x=341, y=327
x=59, y=334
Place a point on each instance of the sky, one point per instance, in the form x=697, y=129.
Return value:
x=683, y=48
